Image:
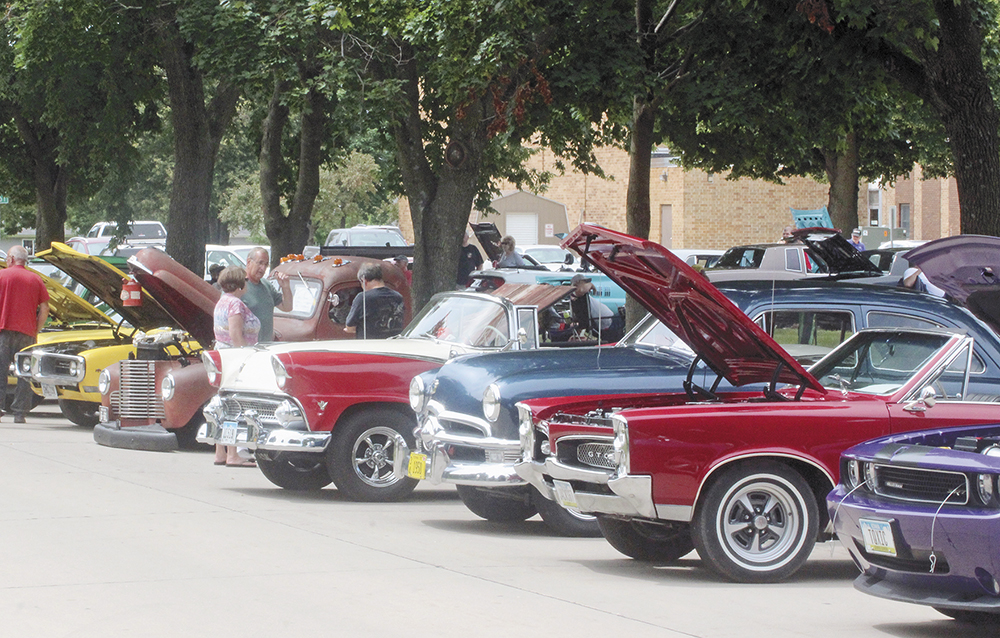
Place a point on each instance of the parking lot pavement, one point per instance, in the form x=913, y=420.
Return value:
x=103, y=542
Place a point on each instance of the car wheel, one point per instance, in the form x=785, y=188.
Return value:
x=187, y=435
x=83, y=413
x=659, y=543
x=363, y=451
x=970, y=617
x=756, y=523
x=498, y=504
x=296, y=472
x=565, y=522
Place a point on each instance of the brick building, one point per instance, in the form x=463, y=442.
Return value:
x=694, y=209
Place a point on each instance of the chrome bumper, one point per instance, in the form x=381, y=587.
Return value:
x=434, y=441
x=632, y=495
x=252, y=434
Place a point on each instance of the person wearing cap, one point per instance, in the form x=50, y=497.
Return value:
x=915, y=279
x=589, y=314
x=403, y=263
x=856, y=239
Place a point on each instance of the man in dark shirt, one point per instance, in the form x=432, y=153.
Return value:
x=470, y=259
x=377, y=313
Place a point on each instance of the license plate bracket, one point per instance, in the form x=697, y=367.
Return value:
x=228, y=435
x=878, y=536
x=565, y=495
x=49, y=391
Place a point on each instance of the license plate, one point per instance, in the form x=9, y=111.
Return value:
x=565, y=494
x=417, y=467
x=102, y=414
x=878, y=537
x=228, y=436
x=49, y=391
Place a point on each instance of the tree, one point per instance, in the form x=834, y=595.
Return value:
x=935, y=50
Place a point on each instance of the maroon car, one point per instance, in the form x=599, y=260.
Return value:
x=150, y=401
x=740, y=474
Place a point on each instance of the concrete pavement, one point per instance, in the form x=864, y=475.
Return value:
x=104, y=542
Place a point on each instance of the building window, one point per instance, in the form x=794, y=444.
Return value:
x=904, y=219
x=874, y=205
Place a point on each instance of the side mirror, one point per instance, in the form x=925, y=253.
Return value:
x=569, y=259
x=928, y=396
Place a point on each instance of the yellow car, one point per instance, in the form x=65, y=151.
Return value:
x=67, y=368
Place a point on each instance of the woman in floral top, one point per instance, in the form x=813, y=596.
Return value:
x=235, y=326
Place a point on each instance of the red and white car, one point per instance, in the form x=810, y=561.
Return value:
x=741, y=475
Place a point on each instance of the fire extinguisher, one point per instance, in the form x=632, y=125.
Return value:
x=131, y=292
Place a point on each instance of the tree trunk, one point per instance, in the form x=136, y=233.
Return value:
x=842, y=173
x=198, y=131
x=51, y=182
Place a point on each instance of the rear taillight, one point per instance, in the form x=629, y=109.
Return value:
x=213, y=366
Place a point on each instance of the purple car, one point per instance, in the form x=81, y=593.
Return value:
x=920, y=514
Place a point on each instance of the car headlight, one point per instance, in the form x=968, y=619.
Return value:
x=280, y=374
x=491, y=403
x=104, y=381
x=985, y=484
x=24, y=365
x=287, y=413
x=418, y=399
x=620, y=443
x=167, y=387
x=870, y=477
x=853, y=473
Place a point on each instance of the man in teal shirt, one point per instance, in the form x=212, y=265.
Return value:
x=261, y=297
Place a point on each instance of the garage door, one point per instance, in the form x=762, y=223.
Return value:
x=524, y=228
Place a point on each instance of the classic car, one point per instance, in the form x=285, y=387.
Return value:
x=148, y=401
x=68, y=371
x=338, y=411
x=467, y=419
x=816, y=252
x=738, y=474
x=919, y=514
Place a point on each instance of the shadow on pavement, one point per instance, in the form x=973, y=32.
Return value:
x=530, y=527
x=332, y=495
x=690, y=569
x=935, y=628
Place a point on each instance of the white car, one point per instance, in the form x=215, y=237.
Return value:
x=138, y=231
x=702, y=257
x=551, y=256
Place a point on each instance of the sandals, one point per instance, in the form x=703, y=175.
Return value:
x=249, y=463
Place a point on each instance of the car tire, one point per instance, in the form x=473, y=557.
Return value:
x=498, y=504
x=970, y=617
x=82, y=413
x=294, y=472
x=362, y=453
x=565, y=522
x=657, y=543
x=757, y=523
x=187, y=435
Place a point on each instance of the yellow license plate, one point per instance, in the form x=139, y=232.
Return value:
x=417, y=467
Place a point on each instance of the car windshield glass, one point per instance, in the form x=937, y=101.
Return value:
x=657, y=335
x=305, y=296
x=473, y=321
x=376, y=238
x=147, y=231
x=553, y=255
x=878, y=362
x=740, y=257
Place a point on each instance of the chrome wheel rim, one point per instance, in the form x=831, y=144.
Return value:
x=761, y=522
x=374, y=454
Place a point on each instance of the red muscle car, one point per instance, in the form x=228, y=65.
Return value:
x=740, y=475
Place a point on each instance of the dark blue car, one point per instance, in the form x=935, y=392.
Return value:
x=467, y=431
x=920, y=514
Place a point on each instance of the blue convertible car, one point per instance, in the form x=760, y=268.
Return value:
x=467, y=431
x=920, y=514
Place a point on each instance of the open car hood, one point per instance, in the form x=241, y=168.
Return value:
x=967, y=268
x=541, y=296
x=105, y=281
x=489, y=238
x=687, y=303
x=188, y=298
x=838, y=253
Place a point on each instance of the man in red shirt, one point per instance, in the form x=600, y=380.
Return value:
x=24, y=307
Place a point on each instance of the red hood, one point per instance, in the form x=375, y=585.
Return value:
x=189, y=299
x=688, y=304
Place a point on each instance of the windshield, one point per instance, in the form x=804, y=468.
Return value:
x=740, y=257
x=473, y=321
x=878, y=362
x=305, y=295
x=553, y=255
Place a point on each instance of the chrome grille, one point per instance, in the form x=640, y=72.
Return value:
x=927, y=486
x=596, y=455
x=137, y=396
x=235, y=405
